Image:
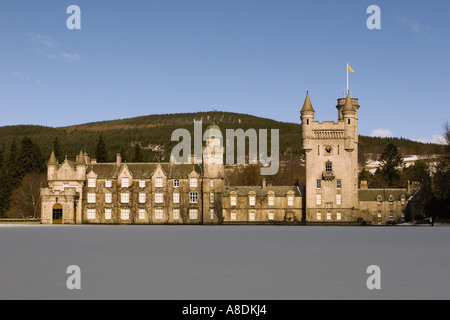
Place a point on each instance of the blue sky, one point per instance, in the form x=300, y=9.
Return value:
x=134, y=58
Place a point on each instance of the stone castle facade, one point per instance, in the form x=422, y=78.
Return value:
x=83, y=191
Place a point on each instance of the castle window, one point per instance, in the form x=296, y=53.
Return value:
x=91, y=214
x=328, y=215
x=159, y=197
x=348, y=121
x=176, y=197
x=339, y=199
x=176, y=183
x=108, y=214
x=141, y=214
x=252, y=200
x=338, y=184
x=193, y=214
x=141, y=197
x=307, y=121
x=108, y=183
x=271, y=200
x=328, y=166
x=211, y=197
x=233, y=216
x=252, y=216
x=379, y=214
x=125, y=197
x=338, y=215
x=176, y=214
x=193, y=182
x=125, y=182
x=233, y=200
x=391, y=214
x=271, y=216
x=319, y=184
x=141, y=183
x=108, y=197
x=125, y=214
x=91, y=197
x=391, y=200
x=211, y=214
x=193, y=197
x=379, y=199
x=212, y=183
x=91, y=182
x=318, y=199
x=159, y=214
x=403, y=199
x=319, y=216
x=159, y=182
x=290, y=200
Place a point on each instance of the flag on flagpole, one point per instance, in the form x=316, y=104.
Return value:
x=350, y=69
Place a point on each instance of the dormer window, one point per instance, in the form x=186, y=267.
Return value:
x=125, y=182
x=91, y=182
x=391, y=199
x=159, y=182
x=379, y=199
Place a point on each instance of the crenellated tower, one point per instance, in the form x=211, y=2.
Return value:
x=331, y=153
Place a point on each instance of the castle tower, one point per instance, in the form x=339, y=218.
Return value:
x=213, y=175
x=331, y=152
x=52, y=165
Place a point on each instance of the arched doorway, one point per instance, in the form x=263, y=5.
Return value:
x=289, y=217
x=57, y=213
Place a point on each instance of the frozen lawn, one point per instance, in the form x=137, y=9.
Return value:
x=224, y=262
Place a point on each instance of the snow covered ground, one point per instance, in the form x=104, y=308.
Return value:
x=224, y=262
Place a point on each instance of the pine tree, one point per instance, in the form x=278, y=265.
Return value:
x=138, y=157
x=29, y=158
x=57, y=149
x=391, y=161
x=100, y=152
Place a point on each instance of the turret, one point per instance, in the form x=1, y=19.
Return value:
x=350, y=123
x=81, y=165
x=307, y=117
x=52, y=164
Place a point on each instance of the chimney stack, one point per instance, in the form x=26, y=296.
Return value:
x=118, y=159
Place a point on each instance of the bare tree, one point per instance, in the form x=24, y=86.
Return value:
x=26, y=201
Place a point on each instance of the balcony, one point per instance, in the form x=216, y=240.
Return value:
x=328, y=175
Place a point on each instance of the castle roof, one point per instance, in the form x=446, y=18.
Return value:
x=279, y=191
x=307, y=106
x=372, y=194
x=80, y=159
x=52, y=161
x=143, y=170
x=348, y=106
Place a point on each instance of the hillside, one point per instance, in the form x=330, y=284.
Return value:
x=153, y=132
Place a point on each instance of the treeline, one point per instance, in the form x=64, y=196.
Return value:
x=156, y=130
x=15, y=163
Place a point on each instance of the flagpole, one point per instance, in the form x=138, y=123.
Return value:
x=347, y=78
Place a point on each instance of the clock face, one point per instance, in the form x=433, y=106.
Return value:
x=328, y=149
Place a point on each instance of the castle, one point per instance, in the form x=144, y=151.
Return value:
x=84, y=191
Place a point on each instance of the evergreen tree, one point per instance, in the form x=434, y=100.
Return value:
x=57, y=149
x=137, y=157
x=9, y=177
x=29, y=158
x=100, y=152
x=2, y=153
x=391, y=160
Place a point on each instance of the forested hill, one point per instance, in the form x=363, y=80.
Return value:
x=154, y=132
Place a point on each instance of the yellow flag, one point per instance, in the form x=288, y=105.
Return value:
x=350, y=69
